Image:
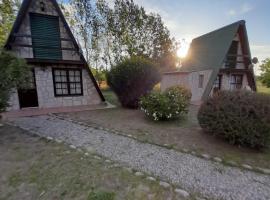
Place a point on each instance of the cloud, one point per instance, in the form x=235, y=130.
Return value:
x=244, y=8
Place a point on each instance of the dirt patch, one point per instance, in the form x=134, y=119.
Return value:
x=184, y=133
x=32, y=168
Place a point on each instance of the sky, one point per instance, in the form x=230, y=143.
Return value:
x=187, y=19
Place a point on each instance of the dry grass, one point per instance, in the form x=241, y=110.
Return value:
x=32, y=168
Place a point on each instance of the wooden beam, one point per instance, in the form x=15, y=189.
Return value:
x=233, y=70
x=237, y=55
x=41, y=37
x=48, y=61
x=43, y=47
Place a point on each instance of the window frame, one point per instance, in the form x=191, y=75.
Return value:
x=234, y=84
x=231, y=60
x=219, y=79
x=68, y=82
x=46, y=47
x=201, y=81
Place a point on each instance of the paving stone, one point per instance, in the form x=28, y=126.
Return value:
x=97, y=157
x=49, y=138
x=139, y=174
x=217, y=159
x=58, y=141
x=185, y=150
x=128, y=169
x=149, y=178
x=265, y=171
x=247, y=167
x=79, y=150
x=72, y=147
x=182, y=193
x=199, y=198
x=232, y=163
x=206, y=156
x=90, y=150
x=164, y=184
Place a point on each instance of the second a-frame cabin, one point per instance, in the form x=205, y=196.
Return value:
x=219, y=60
x=61, y=76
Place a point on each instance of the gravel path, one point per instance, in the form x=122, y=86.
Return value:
x=211, y=180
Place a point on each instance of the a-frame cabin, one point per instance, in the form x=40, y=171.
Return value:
x=219, y=60
x=61, y=76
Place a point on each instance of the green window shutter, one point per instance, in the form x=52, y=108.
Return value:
x=45, y=33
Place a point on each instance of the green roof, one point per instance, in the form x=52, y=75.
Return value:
x=209, y=51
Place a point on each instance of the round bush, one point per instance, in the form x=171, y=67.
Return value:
x=240, y=117
x=133, y=78
x=171, y=104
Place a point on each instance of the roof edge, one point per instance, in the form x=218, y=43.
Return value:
x=240, y=22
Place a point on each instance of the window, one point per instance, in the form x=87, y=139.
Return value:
x=232, y=55
x=217, y=84
x=236, y=82
x=201, y=79
x=67, y=82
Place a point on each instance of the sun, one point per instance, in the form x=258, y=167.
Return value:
x=183, y=50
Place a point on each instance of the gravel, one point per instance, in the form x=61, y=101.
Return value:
x=195, y=175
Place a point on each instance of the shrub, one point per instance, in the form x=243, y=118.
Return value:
x=132, y=79
x=240, y=117
x=171, y=104
x=13, y=72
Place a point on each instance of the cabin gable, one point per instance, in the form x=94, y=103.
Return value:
x=60, y=73
x=42, y=34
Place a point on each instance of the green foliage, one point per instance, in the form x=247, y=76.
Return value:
x=240, y=117
x=100, y=75
x=265, y=69
x=171, y=104
x=13, y=72
x=131, y=79
x=101, y=195
x=8, y=10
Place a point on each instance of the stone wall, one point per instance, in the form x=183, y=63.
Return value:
x=45, y=89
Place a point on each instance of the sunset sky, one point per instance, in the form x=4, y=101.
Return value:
x=187, y=19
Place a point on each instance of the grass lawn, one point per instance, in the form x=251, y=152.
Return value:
x=262, y=89
x=33, y=168
x=184, y=133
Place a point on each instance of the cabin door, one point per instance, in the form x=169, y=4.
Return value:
x=28, y=97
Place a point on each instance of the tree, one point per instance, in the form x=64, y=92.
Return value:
x=265, y=76
x=133, y=32
x=14, y=72
x=110, y=34
x=8, y=11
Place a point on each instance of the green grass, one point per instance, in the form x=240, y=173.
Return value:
x=101, y=195
x=111, y=97
x=262, y=89
x=54, y=171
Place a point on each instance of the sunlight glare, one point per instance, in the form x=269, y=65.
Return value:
x=183, y=50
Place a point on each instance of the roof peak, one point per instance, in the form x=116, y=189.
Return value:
x=240, y=22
